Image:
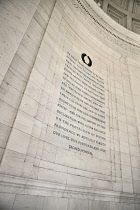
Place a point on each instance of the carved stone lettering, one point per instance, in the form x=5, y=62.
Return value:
x=80, y=120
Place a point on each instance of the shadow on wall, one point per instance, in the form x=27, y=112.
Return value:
x=3, y=207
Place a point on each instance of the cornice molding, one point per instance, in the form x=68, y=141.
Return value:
x=103, y=28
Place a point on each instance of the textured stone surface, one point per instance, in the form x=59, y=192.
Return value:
x=58, y=160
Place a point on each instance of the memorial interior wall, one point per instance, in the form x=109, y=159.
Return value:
x=69, y=108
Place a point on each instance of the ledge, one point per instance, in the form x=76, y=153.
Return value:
x=18, y=185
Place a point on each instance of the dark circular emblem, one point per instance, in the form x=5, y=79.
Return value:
x=89, y=63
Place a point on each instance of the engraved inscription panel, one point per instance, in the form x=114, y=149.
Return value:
x=80, y=120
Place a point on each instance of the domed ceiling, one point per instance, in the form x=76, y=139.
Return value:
x=125, y=12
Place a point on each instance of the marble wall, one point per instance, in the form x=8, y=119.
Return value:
x=67, y=142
